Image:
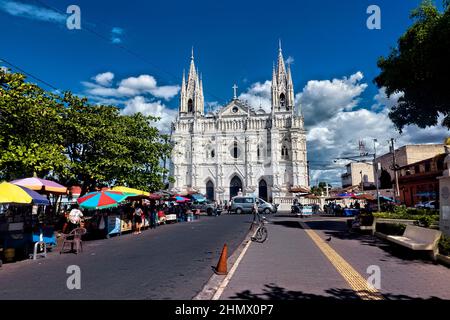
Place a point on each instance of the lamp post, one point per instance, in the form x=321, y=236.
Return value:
x=376, y=172
x=362, y=180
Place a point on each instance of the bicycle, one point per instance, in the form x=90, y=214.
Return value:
x=261, y=232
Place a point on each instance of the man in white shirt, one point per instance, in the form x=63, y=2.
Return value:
x=75, y=216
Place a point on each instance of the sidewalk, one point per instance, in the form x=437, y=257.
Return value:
x=286, y=266
x=297, y=262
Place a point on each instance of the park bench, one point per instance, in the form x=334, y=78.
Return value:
x=367, y=223
x=418, y=238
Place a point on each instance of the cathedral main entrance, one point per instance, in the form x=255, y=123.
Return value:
x=262, y=189
x=210, y=190
x=235, y=186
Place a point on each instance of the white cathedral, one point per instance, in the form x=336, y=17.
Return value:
x=239, y=148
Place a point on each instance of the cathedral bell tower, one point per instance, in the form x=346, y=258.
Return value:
x=282, y=86
x=191, y=95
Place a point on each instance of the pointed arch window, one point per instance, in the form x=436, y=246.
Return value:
x=235, y=150
x=282, y=100
x=190, y=105
x=284, y=153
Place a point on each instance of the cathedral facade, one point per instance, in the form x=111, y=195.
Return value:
x=238, y=147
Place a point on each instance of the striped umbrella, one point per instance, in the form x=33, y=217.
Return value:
x=11, y=193
x=39, y=184
x=103, y=199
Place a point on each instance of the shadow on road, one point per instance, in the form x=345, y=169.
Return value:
x=339, y=230
x=275, y=292
x=287, y=223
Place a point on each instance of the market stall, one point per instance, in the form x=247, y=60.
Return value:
x=22, y=223
x=111, y=221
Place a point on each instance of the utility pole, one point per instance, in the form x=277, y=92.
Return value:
x=394, y=165
x=376, y=172
x=307, y=167
x=362, y=181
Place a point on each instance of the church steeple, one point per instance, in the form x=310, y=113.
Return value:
x=192, y=101
x=282, y=87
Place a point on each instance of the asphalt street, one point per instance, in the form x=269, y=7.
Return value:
x=172, y=262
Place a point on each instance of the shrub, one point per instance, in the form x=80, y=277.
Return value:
x=392, y=229
x=444, y=245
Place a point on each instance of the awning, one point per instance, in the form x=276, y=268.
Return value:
x=198, y=197
x=426, y=194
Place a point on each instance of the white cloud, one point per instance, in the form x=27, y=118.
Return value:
x=116, y=32
x=382, y=100
x=156, y=109
x=321, y=99
x=258, y=94
x=129, y=87
x=290, y=60
x=29, y=11
x=104, y=79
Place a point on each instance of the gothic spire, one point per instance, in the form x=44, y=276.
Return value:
x=192, y=73
x=281, y=67
x=274, y=76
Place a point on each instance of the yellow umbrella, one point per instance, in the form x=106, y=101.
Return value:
x=131, y=190
x=11, y=193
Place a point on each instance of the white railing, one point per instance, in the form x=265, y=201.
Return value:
x=285, y=203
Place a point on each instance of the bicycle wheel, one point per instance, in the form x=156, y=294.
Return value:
x=262, y=234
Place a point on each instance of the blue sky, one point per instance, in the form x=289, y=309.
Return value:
x=334, y=56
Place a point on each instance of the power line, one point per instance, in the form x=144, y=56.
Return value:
x=128, y=50
x=29, y=74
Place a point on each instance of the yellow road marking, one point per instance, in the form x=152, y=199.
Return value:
x=360, y=285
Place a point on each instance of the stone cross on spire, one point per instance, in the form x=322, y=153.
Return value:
x=235, y=91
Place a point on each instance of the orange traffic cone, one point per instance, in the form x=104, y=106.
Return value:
x=221, y=268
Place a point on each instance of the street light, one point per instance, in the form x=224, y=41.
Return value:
x=376, y=172
x=362, y=181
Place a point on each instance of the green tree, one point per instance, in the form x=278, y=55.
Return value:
x=419, y=67
x=106, y=148
x=321, y=188
x=30, y=139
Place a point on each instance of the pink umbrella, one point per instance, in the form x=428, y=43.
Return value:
x=39, y=184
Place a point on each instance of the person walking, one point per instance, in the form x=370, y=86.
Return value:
x=153, y=218
x=137, y=219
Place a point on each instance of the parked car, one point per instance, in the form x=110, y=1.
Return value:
x=427, y=205
x=244, y=204
x=206, y=206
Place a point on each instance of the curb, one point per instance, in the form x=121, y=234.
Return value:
x=442, y=259
x=445, y=260
x=213, y=284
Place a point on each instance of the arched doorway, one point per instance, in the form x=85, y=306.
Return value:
x=262, y=188
x=235, y=186
x=210, y=190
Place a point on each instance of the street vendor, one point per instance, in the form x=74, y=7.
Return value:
x=75, y=217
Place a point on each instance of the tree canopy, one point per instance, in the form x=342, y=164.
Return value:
x=78, y=143
x=419, y=67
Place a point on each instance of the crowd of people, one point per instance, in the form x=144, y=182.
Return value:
x=139, y=213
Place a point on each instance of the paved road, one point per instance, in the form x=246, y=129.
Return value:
x=290, y=265
x=171, y=262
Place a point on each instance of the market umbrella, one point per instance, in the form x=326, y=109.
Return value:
x=103, y=199
x=39, y=184
x=131, y=190
x=11, y=193
x=364, y=196
x=180, y=199
x=198, y=197
x=351, y=194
